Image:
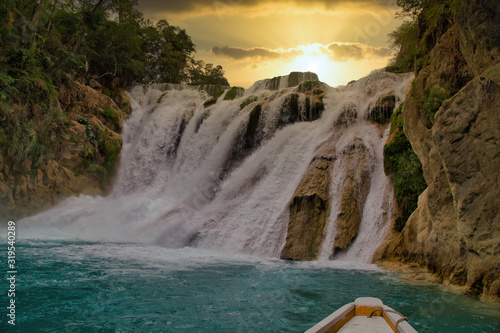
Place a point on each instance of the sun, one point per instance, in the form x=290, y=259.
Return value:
x=314, y=59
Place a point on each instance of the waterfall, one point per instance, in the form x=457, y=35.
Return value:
x=222, y=176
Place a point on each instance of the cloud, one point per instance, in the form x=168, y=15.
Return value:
x=219, y=7
x=346, y=51
x=339, y=52
x=239, y=53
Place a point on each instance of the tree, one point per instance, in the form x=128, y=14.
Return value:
x=410, y=7
x=404, y=40
x=200, y=74
x=168, y=50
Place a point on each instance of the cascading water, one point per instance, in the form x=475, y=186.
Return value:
x=187, y=177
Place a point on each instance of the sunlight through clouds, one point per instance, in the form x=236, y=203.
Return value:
x=255, y=39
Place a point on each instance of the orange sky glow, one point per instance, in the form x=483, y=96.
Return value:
x=256, y=39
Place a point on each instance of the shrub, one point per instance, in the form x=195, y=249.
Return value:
x=432, y=103
x=404, y=169
x=109, y=113
x=404, y=40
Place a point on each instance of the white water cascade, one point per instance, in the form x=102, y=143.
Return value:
x=183, y=181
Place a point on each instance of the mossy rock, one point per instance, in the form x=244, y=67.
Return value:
x=213, y=100
x=314, y=87
x=233, y=93
x=382, y=111
x=97, y=170
x=296, y=78
x=348, y=116
x=110, y=145
x=404, y=169
x=248, y=101
x=108, y=113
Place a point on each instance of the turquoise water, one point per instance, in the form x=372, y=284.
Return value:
x=70, y=286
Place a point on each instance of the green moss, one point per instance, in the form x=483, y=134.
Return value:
x=87, y=152
x=214, y=99
x=106, y=92
x=429, y=102
x=397, y=120
x=109, y=146
x=158, y=101
x=233, y=93
x=248, y=101
x=218, y=93
x=97, y=170
x=404, y=169
x=311, y=86
x=109, y=113
x=432, y=102
x=210, y=102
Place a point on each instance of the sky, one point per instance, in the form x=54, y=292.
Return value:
x=256, y=39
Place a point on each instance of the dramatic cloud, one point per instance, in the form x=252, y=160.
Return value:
x=344, y=52
x=339, y=52
x=238, y=53
x=219, y=6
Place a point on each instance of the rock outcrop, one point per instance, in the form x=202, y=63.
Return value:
x=381, y=112
x=455, y=231
x=355, y=190
x=310, y=207
x=291, y=80
x=83, y=162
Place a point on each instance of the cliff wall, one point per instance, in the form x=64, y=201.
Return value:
x=85, y=146
x=455, y=231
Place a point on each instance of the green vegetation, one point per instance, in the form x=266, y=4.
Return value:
x=233, y=93
x=415, y=38
x=109, y=113
x=404, y=39
x=200, y=73
x=211, y=101
x=110, y=147
x=404, y=169
x=311, y=86
x=46, y=45
x=248, y=101
x=430, y=102
x=158, y=101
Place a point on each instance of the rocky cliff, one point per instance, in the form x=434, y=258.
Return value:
x=83, y=156
x=451, y=117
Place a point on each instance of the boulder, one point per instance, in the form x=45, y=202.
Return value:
x=310, y=207
x=356, y=186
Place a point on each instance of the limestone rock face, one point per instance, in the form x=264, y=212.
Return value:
x=310, y=208
x=455, y=231
x=478, y=25
x=467, y=138
x=89, y=153
x=80, y=99
x=355, y=190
